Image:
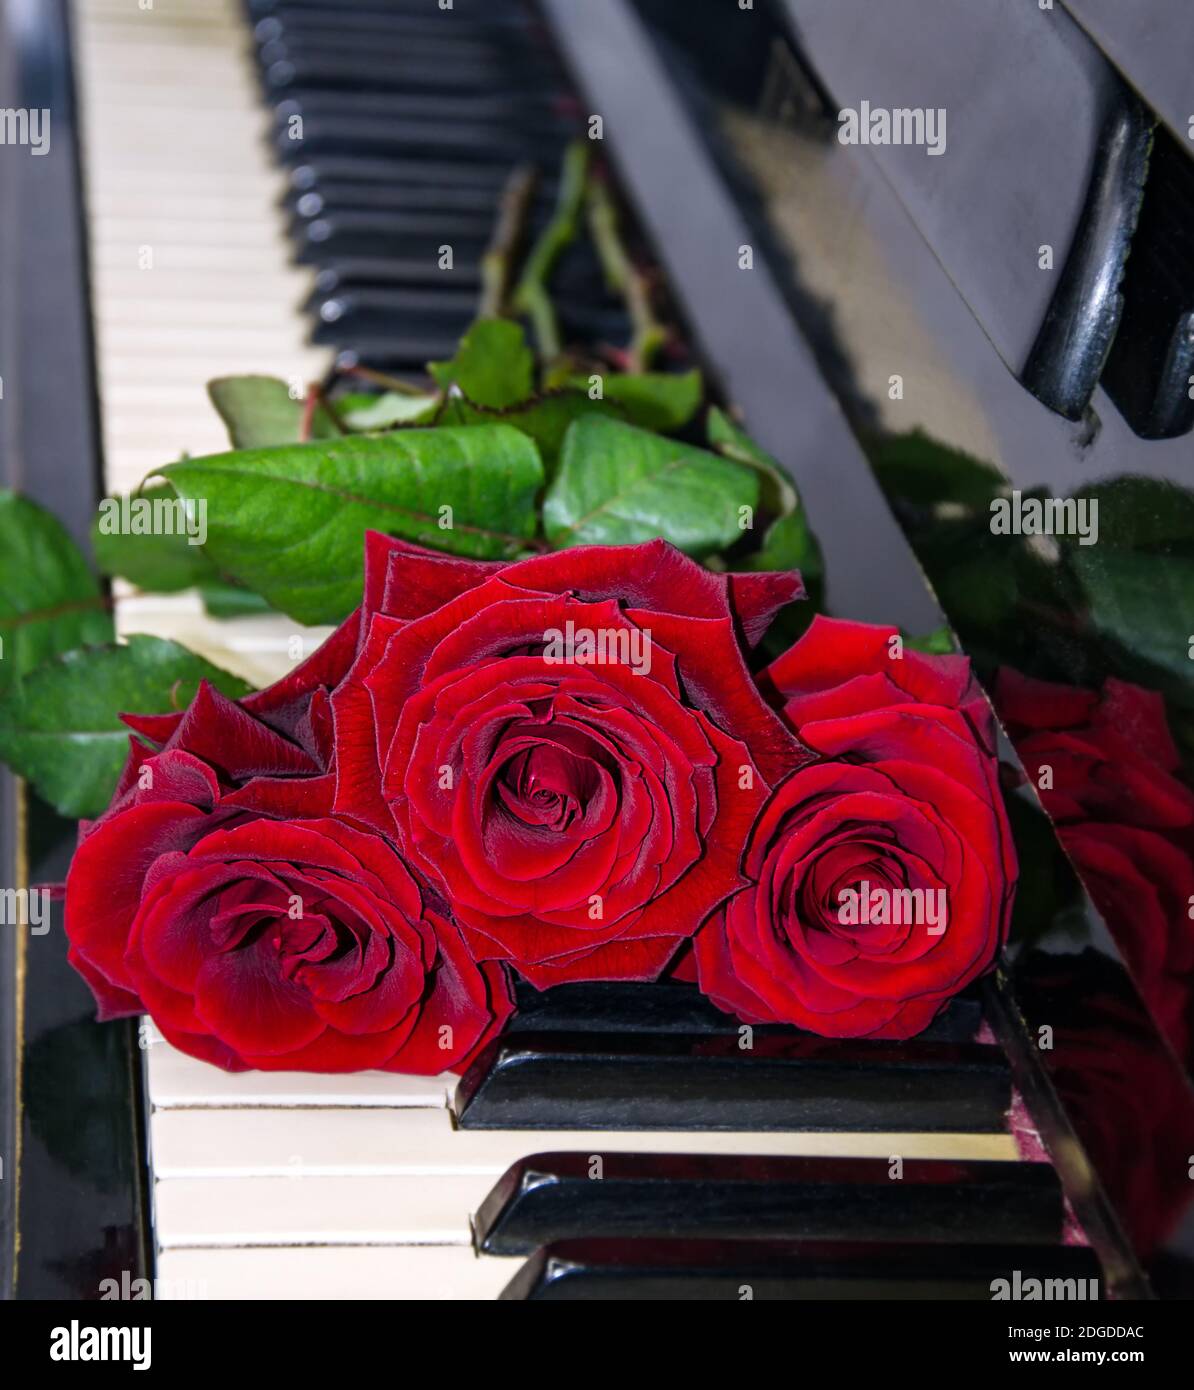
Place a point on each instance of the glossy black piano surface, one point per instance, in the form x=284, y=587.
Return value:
x=719, y=124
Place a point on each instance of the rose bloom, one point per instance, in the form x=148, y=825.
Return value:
x=1125, y=819
x=220, y=894
x=903, y=796
x=580, y=816
x=1125, y=1096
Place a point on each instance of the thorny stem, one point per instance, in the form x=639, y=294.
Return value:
x=531, y=296
x=311, y=402
x=621, y=275
x=497, y=263
x=389, y=383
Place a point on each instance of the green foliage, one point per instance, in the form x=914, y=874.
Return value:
x=49, y=599
x=60, y=725
x=618, y=485
x=289, y=522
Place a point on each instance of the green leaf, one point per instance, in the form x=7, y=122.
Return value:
x=289, y=522
x=1137, y=513
x=778, y=495
x=59, y=725
x=544, y=418
x=939, y=642
x=49, y=599
x=789, y=542
x=916, y=468
x=157, y=562
x=493, y=365
x=362, y=412
x=790, y=545
x=618, y=485
x=259, y=411
x=1143, y=601
x=663, y=401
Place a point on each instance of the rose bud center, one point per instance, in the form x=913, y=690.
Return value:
x=298, y=933
x=554, y=783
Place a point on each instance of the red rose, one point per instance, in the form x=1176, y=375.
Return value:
x=1143, y=886
x=1126, y=1098
x=1104, y=764
x=859, y=860
x=254, y=941
x=579, y=794
x=1110, y=755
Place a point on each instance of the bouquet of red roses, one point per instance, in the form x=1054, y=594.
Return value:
x=544, y=743
x=561, y=768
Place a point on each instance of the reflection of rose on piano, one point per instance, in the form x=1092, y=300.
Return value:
x=1107, y=771
x=1121, y=1091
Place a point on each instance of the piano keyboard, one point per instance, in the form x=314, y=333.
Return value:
x=365, y=1186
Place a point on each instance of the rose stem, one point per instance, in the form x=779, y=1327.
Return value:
x=389, y=383
x=311, y=402
x=508, y=232
x=531, y=296
x=622, y=276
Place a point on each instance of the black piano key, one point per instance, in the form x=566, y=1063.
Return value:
x=353, y=274
x=311, y=173
x=378, y=235
x=688, y=1081
x=550, y=1197
x=355, y=332
x=671, y=1006
x=333, y=195
x=347, y=135
x=778, y=1269
x=396, y=40
x=378, y=66
x=506, y=111
x=415, y=15
x=374, y=309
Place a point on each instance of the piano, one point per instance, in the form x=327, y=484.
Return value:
x=267, y=187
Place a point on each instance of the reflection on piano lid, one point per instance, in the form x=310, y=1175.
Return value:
x=1150, y=41
x=276, y=1186
x=1033, y=202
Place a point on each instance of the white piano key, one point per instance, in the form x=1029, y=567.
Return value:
x=124, y=100
x=112, y=54
x=125, y=393
x=175, y=11
x=113, y=179
x=122, y=340
x=317, y=1211
x=176, y=1080
x=381, y=1142
x=197, y=298
x=117, y=283
x=399, y=1273
x=211, y=259
x=200, y=370
x=203, y=432
x=203, y=436
x=229, y=236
